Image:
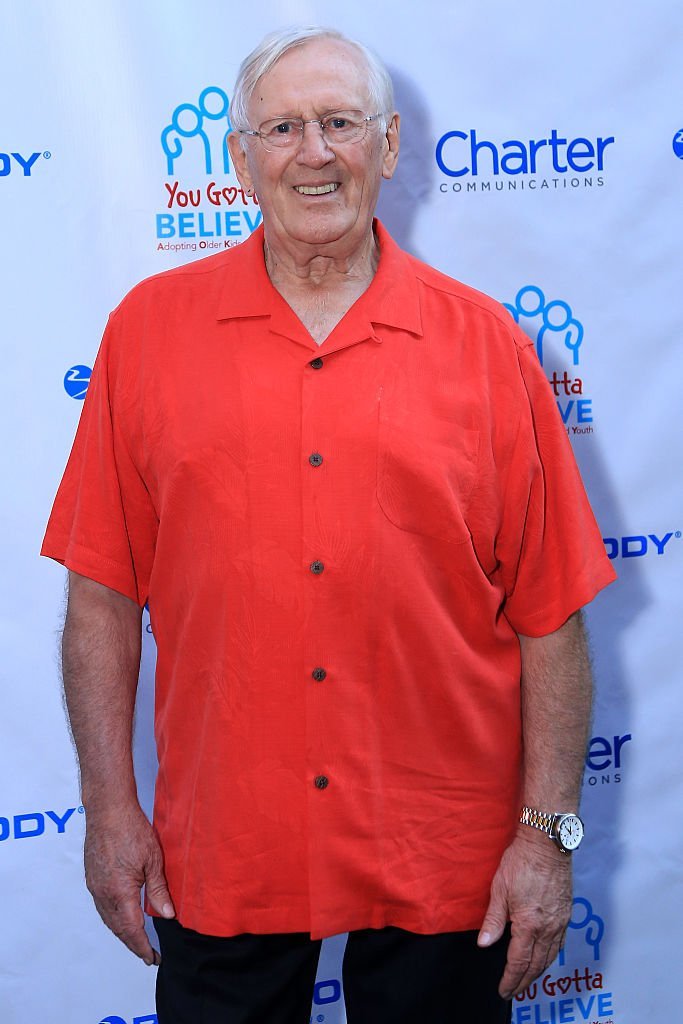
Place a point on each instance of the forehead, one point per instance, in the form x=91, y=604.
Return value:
x=319, y=75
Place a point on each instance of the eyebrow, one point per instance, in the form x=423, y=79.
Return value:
x=300, y=117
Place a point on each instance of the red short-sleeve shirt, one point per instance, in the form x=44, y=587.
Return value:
x=339, y=545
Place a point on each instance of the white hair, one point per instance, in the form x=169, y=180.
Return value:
x=276, y=44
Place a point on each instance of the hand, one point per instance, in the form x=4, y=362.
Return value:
x=533, y=889
x=121, y=855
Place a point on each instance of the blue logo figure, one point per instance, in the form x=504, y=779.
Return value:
x=594, y=925
x=678, y=144
x=150, y=1018
x=76, y=381
x=188, y=121
x=556, y=317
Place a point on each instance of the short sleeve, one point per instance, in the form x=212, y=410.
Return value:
x=550, y=550
x=103, y=523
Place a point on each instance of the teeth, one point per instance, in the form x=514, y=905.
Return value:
x=319, y=190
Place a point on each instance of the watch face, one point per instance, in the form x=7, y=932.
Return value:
x=570, y=832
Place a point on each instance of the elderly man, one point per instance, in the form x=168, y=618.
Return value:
x=341, y=481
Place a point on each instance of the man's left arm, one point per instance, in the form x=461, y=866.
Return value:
x=533, y=885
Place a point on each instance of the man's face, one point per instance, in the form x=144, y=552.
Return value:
x=309, y=81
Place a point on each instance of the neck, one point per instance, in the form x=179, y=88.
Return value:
x=324, y=268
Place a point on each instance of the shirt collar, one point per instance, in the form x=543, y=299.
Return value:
x=392, y=298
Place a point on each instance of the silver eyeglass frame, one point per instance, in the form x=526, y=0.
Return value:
x=367, y=118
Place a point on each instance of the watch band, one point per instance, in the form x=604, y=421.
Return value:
x=537, y=819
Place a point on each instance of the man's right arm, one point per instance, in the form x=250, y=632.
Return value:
x=100, y=665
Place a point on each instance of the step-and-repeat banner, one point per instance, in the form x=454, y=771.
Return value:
x=542, y=162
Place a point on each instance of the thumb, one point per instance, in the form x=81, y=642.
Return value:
x=495, y=920
x=156, y=889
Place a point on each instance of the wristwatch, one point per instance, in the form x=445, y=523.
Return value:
x=566, y=830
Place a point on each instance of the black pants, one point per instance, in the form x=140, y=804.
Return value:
x=390, y=977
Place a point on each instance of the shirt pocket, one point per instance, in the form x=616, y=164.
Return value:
x=426, y=471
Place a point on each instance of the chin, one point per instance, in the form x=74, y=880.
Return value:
x=319, y=230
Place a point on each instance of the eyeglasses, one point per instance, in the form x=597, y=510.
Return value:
x=338, y=127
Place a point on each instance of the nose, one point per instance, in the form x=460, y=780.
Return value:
x=314, y=150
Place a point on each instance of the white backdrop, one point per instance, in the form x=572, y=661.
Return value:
x=543, y=163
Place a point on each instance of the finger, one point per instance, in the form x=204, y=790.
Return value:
x=542, y=953
x=536, y=966
x=520, y=952
x=156, y=890
x=135, y=938
x=494, y=922
x=127, y=922
x=551, y=954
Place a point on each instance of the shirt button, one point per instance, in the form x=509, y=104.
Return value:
x=315, y=459
x=318, y=674
x=317, y=567
x=321, y=782
x=316, y=364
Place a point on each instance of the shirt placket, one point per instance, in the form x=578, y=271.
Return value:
x=325, y=481
x=321, y=574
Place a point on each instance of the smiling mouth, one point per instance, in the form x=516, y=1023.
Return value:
x=316, y=190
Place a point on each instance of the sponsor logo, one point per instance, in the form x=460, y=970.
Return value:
x=605, y=759
x=578, y=993
x=603, y=752
x=36, y=823
x=20, y=164
x=678, y=144
x=325, y=993
x=76, y=380
x=558, y=334
x=481, y=165
x=204, y=207
x=584, y=919
x=149, y=1018
x=639, y=544
x=550, y=317
x=189, y=122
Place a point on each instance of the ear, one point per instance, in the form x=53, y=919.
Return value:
x=391, y=147
x=239, y=161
